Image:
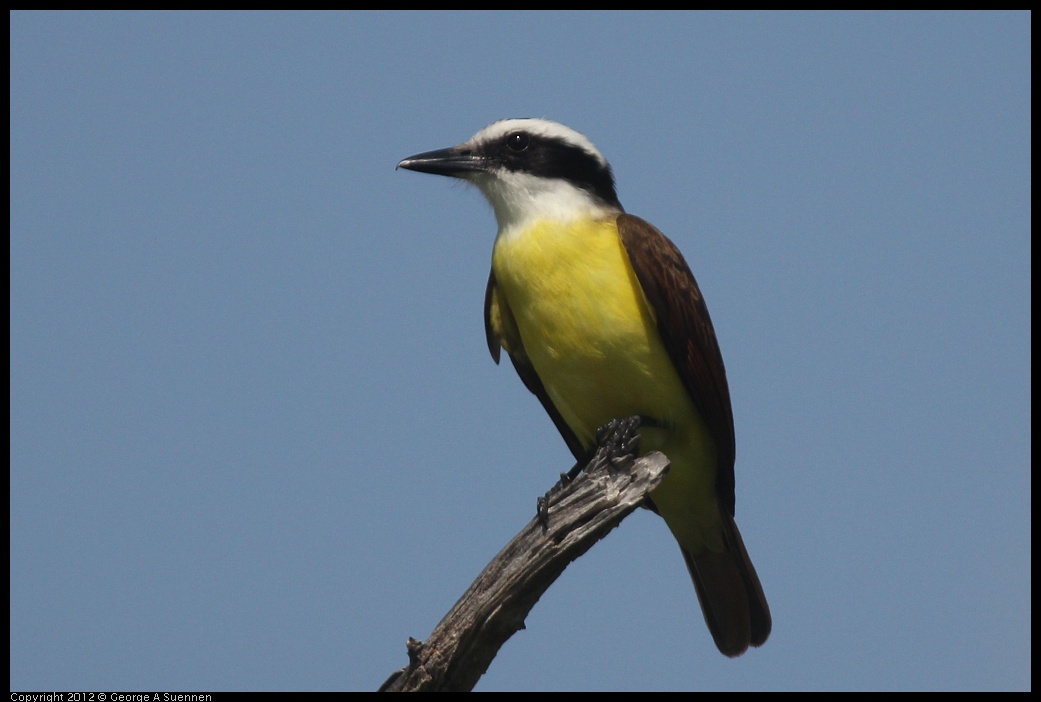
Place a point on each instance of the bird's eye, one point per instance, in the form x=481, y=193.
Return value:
x=518, y=141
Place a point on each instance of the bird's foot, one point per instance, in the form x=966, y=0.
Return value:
x=618, y=440
x=615, y=441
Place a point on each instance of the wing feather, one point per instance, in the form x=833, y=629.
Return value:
x=686, y=331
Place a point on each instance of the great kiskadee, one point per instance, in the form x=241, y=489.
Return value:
x=603, y=319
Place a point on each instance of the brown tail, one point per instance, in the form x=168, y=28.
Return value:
x=730, y=594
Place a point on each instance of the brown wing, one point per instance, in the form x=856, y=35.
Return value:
x=686, y=330
x=500, y=329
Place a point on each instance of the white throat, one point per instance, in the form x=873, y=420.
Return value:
x=519, y=199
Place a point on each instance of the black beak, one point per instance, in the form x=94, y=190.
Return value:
x=456, y=161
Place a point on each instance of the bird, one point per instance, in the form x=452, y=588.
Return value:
x=602, y=319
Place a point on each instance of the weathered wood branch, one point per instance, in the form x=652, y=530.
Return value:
x=580, y=513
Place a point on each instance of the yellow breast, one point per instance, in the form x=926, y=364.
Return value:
x=585, y=324
x=588, y=331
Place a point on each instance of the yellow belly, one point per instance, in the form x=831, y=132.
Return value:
x=591, y=337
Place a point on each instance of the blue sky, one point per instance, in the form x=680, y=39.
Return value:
x=256, y=437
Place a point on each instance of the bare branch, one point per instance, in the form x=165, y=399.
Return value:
x=581, y=512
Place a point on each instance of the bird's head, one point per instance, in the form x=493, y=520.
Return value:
x=529, y=169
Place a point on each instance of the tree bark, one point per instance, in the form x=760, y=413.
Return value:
x=579, y=513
